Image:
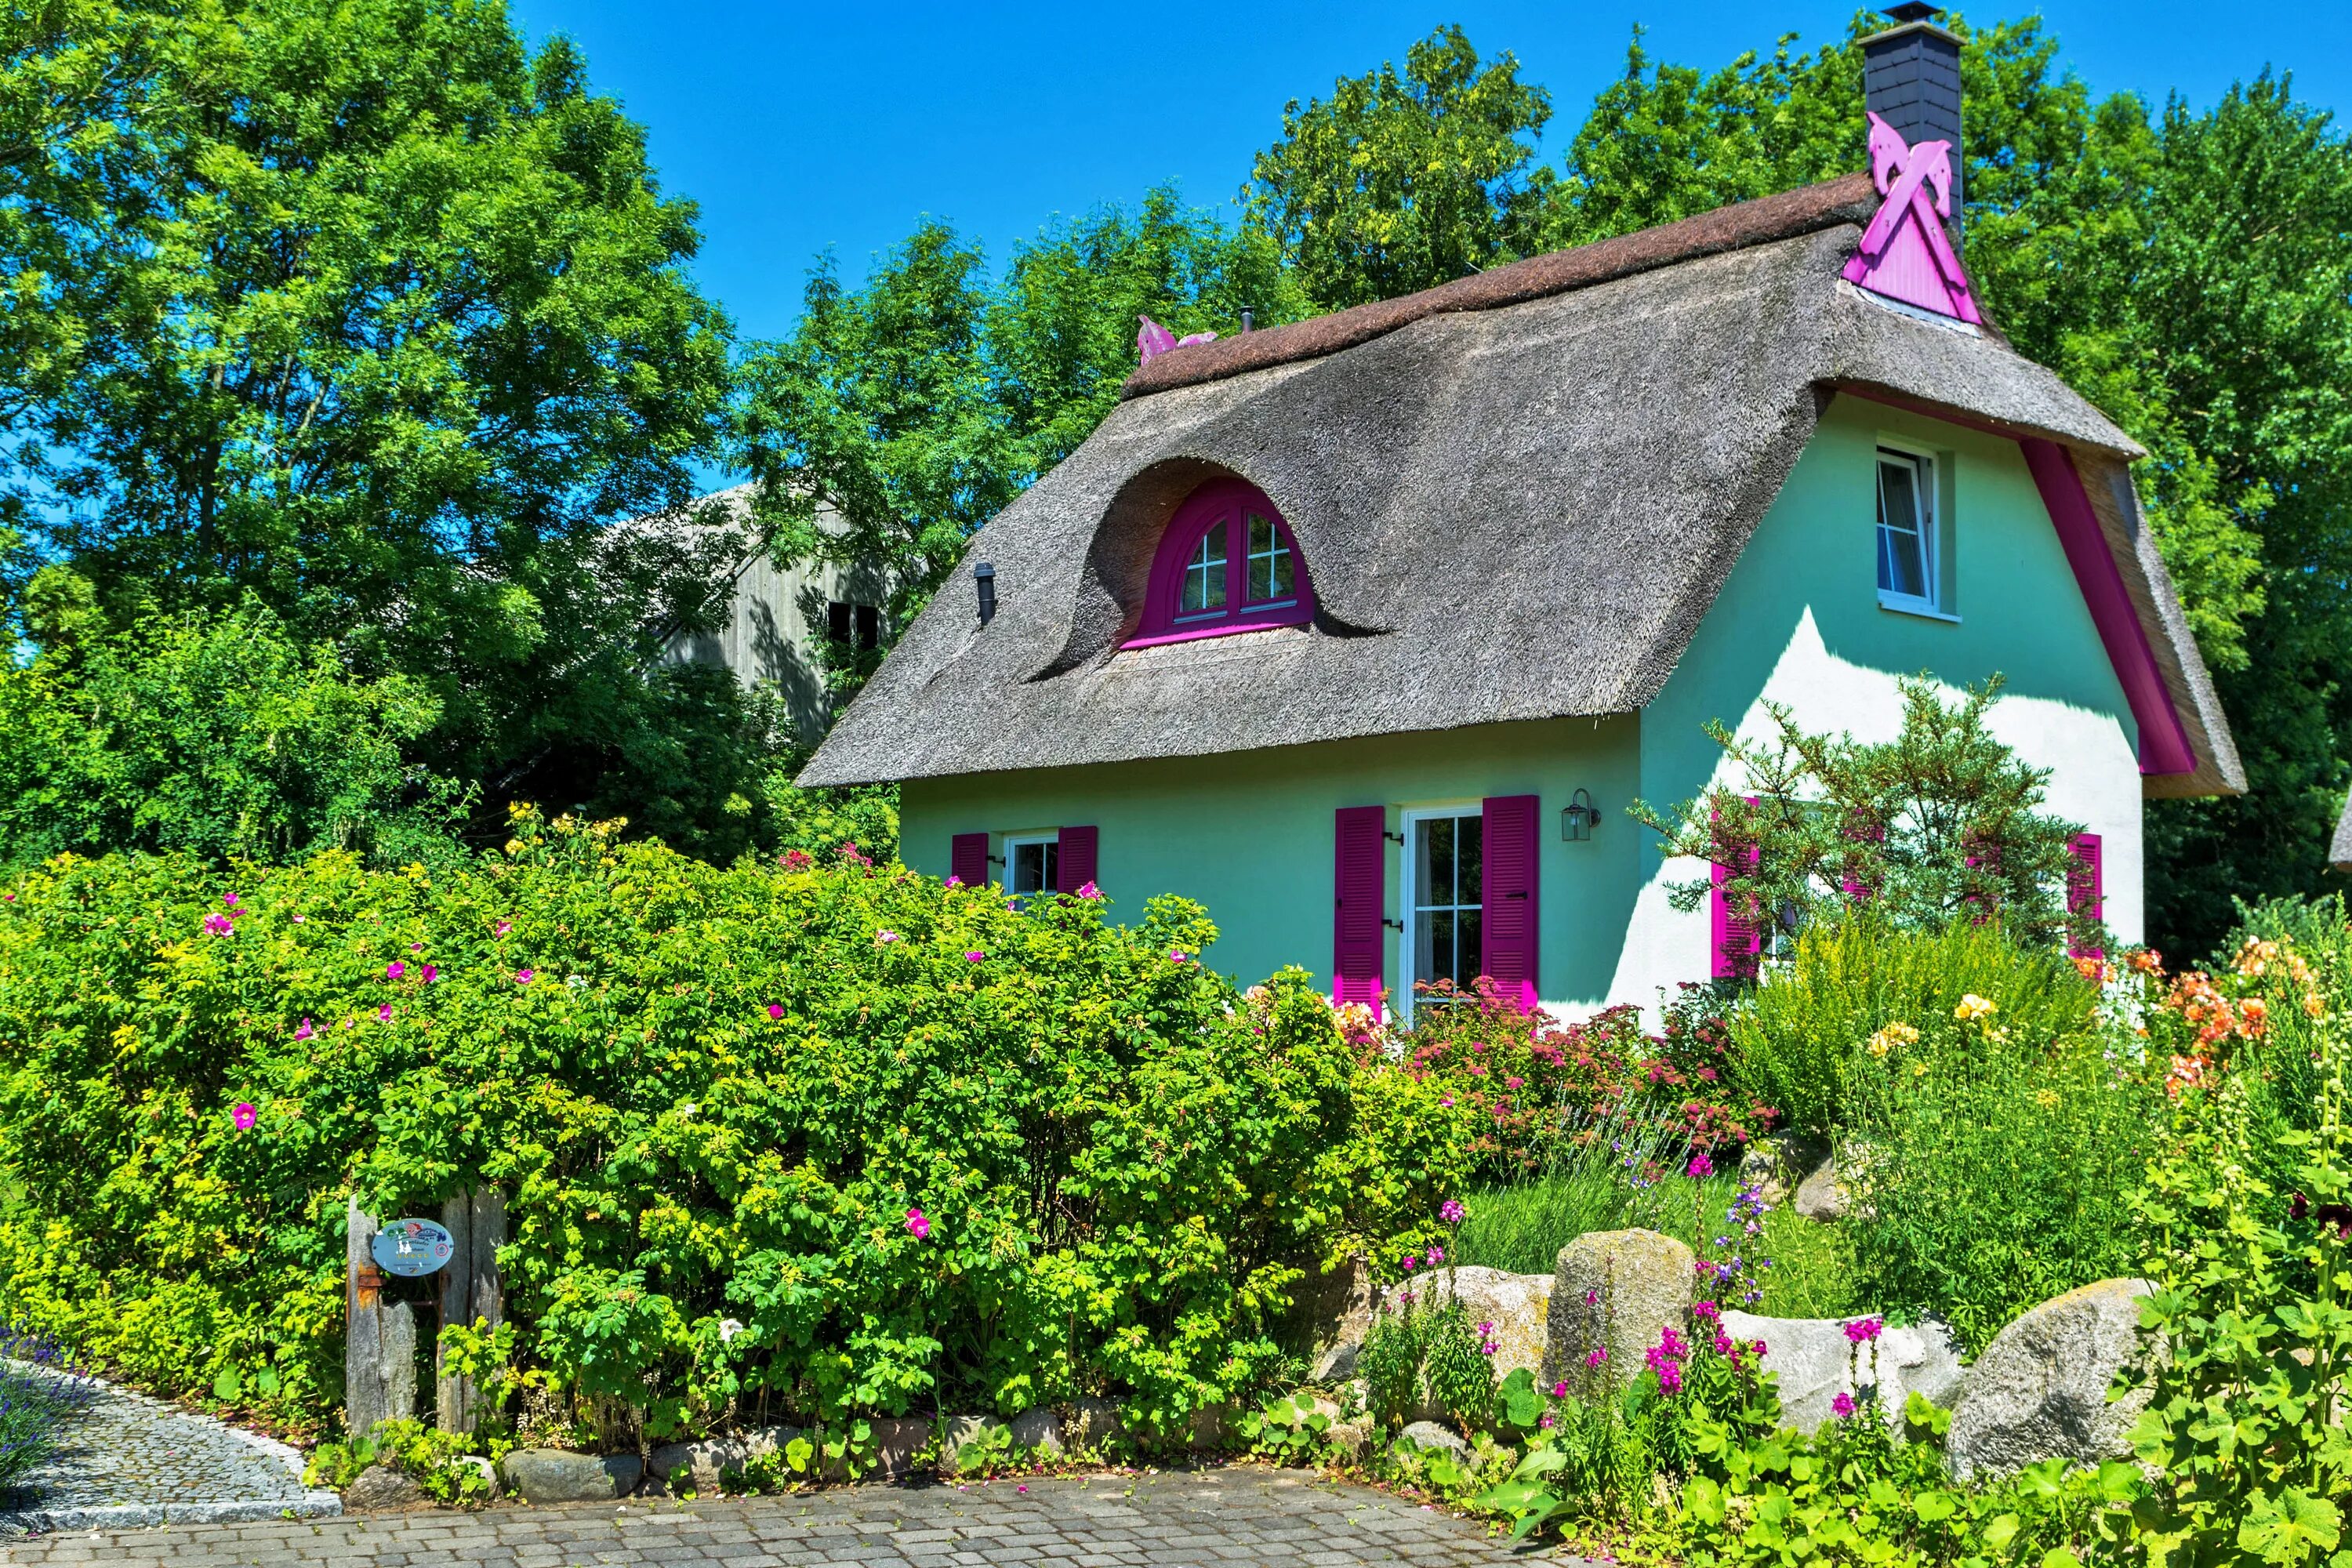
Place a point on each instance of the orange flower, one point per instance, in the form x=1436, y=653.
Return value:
x=2314, y=1005
x=2145, y=961
x=2092, y=970
x=2255, y=1016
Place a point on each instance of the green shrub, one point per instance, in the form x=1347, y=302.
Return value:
x=1796, y=1037
x=1992, y=1164
x=820, y=1141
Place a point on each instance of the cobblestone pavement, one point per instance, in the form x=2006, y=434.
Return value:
x=1217, y=1519
x=125, y=1459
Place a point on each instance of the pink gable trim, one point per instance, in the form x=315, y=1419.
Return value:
x=1229, y=501
x=2164, y=745
x=1905, y=255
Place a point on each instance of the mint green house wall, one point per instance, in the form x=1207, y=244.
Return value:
x=1249, y=835
x=1799, y=622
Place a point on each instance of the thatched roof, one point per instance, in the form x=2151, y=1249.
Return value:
x=1517, y=495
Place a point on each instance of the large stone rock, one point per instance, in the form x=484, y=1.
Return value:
x=1093, y=1425
x=1822, y=1196
x=1518, y=1305
x=1215, y=1428
x=1816, y=1362
x=1037, y=1431
x=2040, y=1390
x=381, y=1486
x=1428, y=1436
x=551, y=1475
x=1774, y=1167
x=896, y=1440
x=1617, y=1291
x=706, y=1460
x=963, y=1434
x=1330, y=1312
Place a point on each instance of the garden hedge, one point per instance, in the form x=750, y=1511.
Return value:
x=808, y=1138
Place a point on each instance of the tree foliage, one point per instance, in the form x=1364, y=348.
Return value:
x=1403, y=182
x=1942, y=823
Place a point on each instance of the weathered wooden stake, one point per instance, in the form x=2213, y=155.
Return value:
x=477, y=1223
x=379, y=1341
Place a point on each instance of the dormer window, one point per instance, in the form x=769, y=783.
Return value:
x=1227, y=564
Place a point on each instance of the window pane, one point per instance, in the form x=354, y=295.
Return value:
x=1204, y=578
x=1901, y=542
x=1467, y=954
x=1434, y=878
x=1269, y=562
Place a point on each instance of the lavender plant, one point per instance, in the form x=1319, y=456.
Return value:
x=41, y=1390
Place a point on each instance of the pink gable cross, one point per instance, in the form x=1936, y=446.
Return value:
x=1155, y=339
x=1905, y=255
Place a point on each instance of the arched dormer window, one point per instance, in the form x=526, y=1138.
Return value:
x=1227, y=564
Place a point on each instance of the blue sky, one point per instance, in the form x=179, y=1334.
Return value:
x=800, y=127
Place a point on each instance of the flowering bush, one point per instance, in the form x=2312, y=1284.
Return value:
x=1527, y=1082
x=751, y=1152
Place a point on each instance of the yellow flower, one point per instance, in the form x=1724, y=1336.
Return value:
x=1919, y=1069
x=2046, y=1098
x=1888, y=1039
x=1972, y=1007
x=1878, y=1044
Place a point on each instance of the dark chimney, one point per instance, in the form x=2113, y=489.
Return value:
x=1911, y=79
x=983, y=577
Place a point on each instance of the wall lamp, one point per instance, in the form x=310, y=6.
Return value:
x=1577, y=818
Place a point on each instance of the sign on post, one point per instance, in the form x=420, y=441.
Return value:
x=412, y=1247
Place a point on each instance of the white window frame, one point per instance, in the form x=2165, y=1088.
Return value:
x=1216, y=575
x=1409, y=895
x=1251, y=555
x=1935, y=546
x=1014, y=842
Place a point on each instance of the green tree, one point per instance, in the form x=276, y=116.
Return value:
x=355, y=312
x=217, y=735
x=1400, y=182
x=1940, y=823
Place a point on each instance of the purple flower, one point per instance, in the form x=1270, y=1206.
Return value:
x=219, y=925
x=1699, y=1169
x=1592, y=1358
x=918, y=1224
x=885, y=936
x=775, y=1009
x=1560, y=1389
x=245, y=1116
x=1862, y=1331
x=1089, y=891
x=304, y=1032
x=1436, y=1255
x=1842, y=1406
x=394, y=970
x=431, y=975
x=522, y=976
x=1410, y=1259
x=1705, y=1309
x=974, y=957
x=1545, y=1421
x=1452, y=1212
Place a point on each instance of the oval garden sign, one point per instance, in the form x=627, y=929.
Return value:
x=412, y=1247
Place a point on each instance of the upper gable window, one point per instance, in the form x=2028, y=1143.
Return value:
x=1912, y=546
x=1227, y=564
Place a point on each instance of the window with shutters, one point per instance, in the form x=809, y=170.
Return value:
x=1226, y=563
x=1443, y=909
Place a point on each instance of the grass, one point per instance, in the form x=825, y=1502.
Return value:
x=1521, y=1227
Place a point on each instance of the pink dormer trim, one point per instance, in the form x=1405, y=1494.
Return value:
x=1905, y=255
x=1232, y=502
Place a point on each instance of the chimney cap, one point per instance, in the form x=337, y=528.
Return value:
x=1913, y=11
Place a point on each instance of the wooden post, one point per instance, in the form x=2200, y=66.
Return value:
x=477, y=1223
x=379, y=1340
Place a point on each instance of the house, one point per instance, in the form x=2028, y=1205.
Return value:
x=1339, y=627
x=775, y=619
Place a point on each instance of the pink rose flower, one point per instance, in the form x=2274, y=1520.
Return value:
x=245, y=1116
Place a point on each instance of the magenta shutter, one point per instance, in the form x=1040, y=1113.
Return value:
x=1074, y=862
x=2086, y=891
x=1506, y=896
x=1360, y=887
x=968, y=858
x=1735, y=941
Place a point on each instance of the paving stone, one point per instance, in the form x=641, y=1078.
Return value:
x=1197, y=1518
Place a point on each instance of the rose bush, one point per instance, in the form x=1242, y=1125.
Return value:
x=716, y=1100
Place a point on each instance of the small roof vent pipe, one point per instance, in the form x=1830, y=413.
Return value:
x=983, y=578
x=1911, y=79
x=1246, y=322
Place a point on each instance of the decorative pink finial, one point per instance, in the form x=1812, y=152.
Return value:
x=1905, y=254
x=1155, y=339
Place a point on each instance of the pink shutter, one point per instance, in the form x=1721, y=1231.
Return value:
x=1360, y=887
x=968, y=858
x=1735, y=942
x=1506, y=896
x=2086, y=891
x=1858, y=889
x=1073, y=861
